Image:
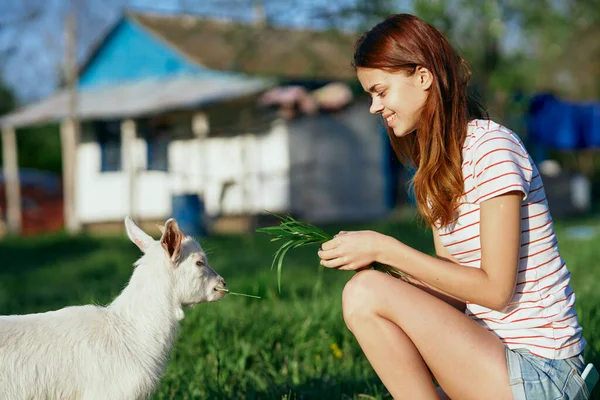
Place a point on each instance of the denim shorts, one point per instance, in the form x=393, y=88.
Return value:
x=537, y=378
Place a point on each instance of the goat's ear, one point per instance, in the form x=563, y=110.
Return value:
x=171, y=238
x=137, y=235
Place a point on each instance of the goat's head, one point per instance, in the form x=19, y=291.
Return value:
x=195, y=281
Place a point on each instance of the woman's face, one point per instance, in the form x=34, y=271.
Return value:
x=397, y=96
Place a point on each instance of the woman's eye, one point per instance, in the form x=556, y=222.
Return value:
x=381, y=94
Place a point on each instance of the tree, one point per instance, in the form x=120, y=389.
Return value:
x=7, y=100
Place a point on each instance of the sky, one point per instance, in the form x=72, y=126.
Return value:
x=31, y=51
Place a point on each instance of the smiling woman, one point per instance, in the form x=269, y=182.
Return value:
x=492, y=316
x=397, y=96
x=418, y=83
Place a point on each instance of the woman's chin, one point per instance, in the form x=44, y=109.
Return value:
x=401, y=131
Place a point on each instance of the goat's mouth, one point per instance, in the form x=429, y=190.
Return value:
x=227, y=291
x=220, y=292
x=221, y=289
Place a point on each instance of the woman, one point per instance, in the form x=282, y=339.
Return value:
x=492, y=316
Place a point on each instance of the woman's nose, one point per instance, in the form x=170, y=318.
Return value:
x=376, y=107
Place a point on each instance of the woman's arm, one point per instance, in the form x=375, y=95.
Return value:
x=493, y=284
x=442, y=254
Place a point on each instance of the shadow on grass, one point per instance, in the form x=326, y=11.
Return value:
x=317, y=389
x=21, y=256
x=50, y=272
x=312, y=389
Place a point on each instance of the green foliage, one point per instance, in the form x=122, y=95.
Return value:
x=7, y=100
x=289, y=345
x=523, y=45
x=297, y=234
x=38, y=147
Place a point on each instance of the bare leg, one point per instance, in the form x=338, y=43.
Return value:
x=391, y=350
x=403, y=330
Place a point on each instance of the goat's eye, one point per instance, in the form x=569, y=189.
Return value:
x=199, y=263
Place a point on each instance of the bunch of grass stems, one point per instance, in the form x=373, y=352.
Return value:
x=225, y=290
x=296, y=234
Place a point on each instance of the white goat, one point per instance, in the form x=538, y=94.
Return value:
x=114, y=352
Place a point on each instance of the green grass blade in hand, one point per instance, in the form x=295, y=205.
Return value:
x=278, y=254
x=284, y=249
x=297, y=234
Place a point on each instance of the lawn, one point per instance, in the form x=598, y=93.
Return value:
x=292, y=345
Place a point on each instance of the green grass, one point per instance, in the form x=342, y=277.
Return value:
x=288, y=345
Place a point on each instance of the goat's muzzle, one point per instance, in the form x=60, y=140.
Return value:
x=221, y=287
x=222, y=283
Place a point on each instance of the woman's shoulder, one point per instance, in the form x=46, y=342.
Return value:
x=495, y=161
x=487, y=133
x=480, y=127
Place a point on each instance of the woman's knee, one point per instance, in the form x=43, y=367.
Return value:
x=358, y=297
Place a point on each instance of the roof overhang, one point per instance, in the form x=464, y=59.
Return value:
x=137, y=99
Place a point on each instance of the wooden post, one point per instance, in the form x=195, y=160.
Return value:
x=246, y=178
x=128, y=157
x=69, y=130
x=68, y=140
x=11, y=180
x=200, y=129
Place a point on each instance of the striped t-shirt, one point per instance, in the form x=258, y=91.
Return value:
x=540, y=316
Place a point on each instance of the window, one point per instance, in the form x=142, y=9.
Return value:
x=157, y=141
x=108, y=134
x=158, y=154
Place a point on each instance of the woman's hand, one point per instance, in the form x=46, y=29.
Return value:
x=350, y=251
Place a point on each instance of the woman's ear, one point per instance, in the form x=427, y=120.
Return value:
x=425, y=77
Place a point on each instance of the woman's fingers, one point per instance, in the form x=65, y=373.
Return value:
x=330, y=244
x=332, y=258
x=336, y=241
x=328, y=254
x=335, y=262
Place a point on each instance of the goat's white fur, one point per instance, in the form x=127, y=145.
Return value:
x=113, y=352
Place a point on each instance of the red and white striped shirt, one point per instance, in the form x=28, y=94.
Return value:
x=540, y=316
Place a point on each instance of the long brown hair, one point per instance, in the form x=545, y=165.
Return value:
x=404, y=42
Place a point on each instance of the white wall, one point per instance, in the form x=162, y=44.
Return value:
x=104, y=196
x=249, y=171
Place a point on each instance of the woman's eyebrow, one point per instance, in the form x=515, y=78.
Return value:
x=373, y=88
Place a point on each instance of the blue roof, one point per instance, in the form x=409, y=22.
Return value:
x=131, y=53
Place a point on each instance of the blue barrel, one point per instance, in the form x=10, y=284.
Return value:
x=188, y=210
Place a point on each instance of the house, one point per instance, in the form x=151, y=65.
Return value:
x=174, y=122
